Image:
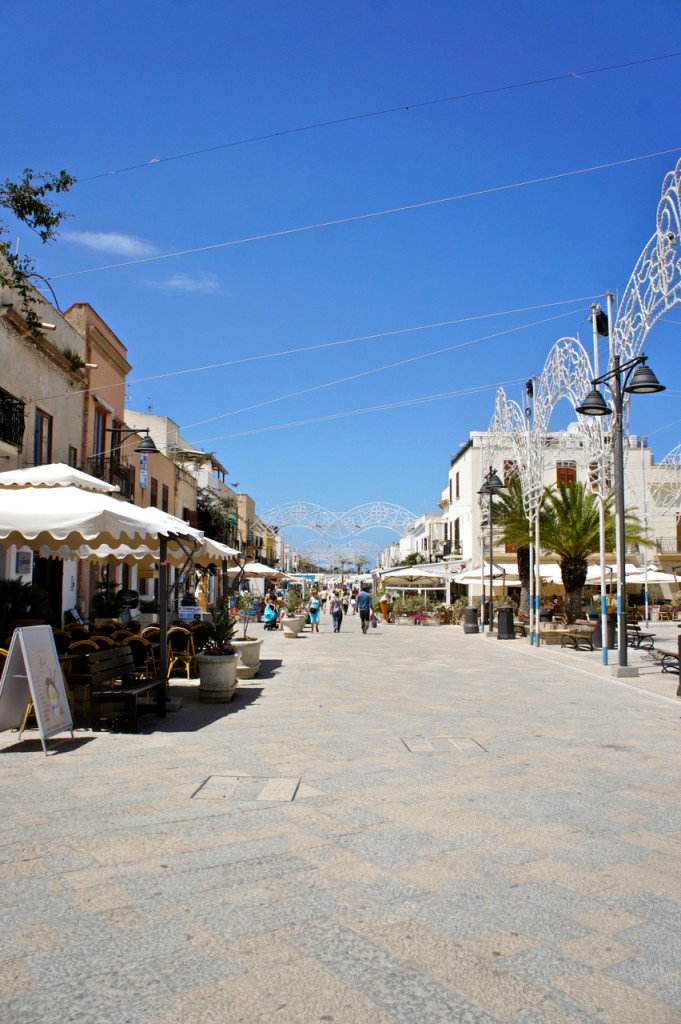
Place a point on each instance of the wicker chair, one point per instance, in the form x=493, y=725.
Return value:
x=181, y=651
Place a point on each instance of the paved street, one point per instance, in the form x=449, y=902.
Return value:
x=413, y=826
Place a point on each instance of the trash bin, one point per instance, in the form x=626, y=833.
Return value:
x=597, y=635
x=470, y=620
x=505, y=629
x=546, y=615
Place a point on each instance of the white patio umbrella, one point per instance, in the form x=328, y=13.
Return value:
x=412, y=576
x=80, y=515
x=255, y=570
x=652, y=576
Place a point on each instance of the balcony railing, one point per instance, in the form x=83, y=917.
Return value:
x=114, y=471
x=11, y=419
x=668, y=545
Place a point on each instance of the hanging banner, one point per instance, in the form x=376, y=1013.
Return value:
x=32, y=673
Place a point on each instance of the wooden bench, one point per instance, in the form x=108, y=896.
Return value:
x=638, y=639
x=577, y=639
x=110, y=687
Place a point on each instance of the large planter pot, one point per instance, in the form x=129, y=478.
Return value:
x=292, y=627
x=217, y=677
x=654, y=613
x=250, y=657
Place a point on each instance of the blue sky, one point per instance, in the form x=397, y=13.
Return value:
x=101, y=87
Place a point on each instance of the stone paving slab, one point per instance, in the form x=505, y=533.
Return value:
x=411, y=826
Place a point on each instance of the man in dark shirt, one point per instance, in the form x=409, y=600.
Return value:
x=365, y=608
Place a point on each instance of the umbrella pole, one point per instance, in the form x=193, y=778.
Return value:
x=163, y=608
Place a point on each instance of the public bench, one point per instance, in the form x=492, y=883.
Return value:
x=669, y=660
x=109, y=686
x=639, y=640
x=577, y=636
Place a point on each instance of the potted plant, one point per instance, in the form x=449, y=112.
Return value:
x=291, y=622
x=22, y=604
x=106, y=604
x=148, y=611
x=247, y=646
x=217, y=662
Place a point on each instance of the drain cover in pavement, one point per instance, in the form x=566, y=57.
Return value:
x=441, y=744
x=247, y=787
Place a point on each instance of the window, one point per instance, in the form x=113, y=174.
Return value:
x=450, y=490
x=73, y=456
x=457, y=535
x=164, y=497
x=42, y=444
x=566, y=472
x=125, y=577
x=132, y=483
x=153, y=491
x=99, y=439
x=457, y=486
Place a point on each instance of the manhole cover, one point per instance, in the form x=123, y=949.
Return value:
x=247, y=787
x=442, y=744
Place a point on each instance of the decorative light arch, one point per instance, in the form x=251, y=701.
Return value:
x=341, y=525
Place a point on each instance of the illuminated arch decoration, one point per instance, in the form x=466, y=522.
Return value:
x=341, y=525
x=665, y=491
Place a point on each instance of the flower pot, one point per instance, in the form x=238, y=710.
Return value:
x=654, y=613
x=250, y=657
x=147, y=619
x=292, y=627
x=217, y=677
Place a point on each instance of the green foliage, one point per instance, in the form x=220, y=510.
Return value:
x=149, y=607
x=217, y=514
x=244, y=604
x=292, y=601
x=415, y=558
x=75, y=360
x=360, y=564
x=457, y=610
x=19, y=600
x=29, y=201
x=106, y=603
x=222, y=627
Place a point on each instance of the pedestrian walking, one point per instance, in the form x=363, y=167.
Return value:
x=313, y=609
x=336, y=609
x=353, y=600
x=365, y=608
x=345, y=602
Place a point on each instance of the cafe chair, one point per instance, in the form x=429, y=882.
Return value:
x=143, y=655
x=181, y=651
x=102, y=642
x=62, y=640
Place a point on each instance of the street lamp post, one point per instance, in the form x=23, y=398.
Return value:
x=491, y=486
x=632, y=377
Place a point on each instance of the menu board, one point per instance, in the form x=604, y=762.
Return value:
x=32, y=673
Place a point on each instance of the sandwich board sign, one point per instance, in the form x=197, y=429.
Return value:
x=32, y=673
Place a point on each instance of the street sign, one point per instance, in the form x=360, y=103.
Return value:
x=32, y=673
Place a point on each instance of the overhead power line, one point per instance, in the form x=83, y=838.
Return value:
x=376, y=336
x=367, y=409
x=372, y=215
x=376, y=369
x=367, y=115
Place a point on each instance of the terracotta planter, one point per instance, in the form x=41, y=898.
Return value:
x=217, y=677
x=250, y=657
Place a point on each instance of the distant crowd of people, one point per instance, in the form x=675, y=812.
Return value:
x=339, y=602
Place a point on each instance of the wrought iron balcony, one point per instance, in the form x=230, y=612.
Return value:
x=12, y=415
x=114, y=471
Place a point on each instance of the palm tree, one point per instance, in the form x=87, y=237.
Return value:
x=514, y=531
x=570, y=528
x=360, y=564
